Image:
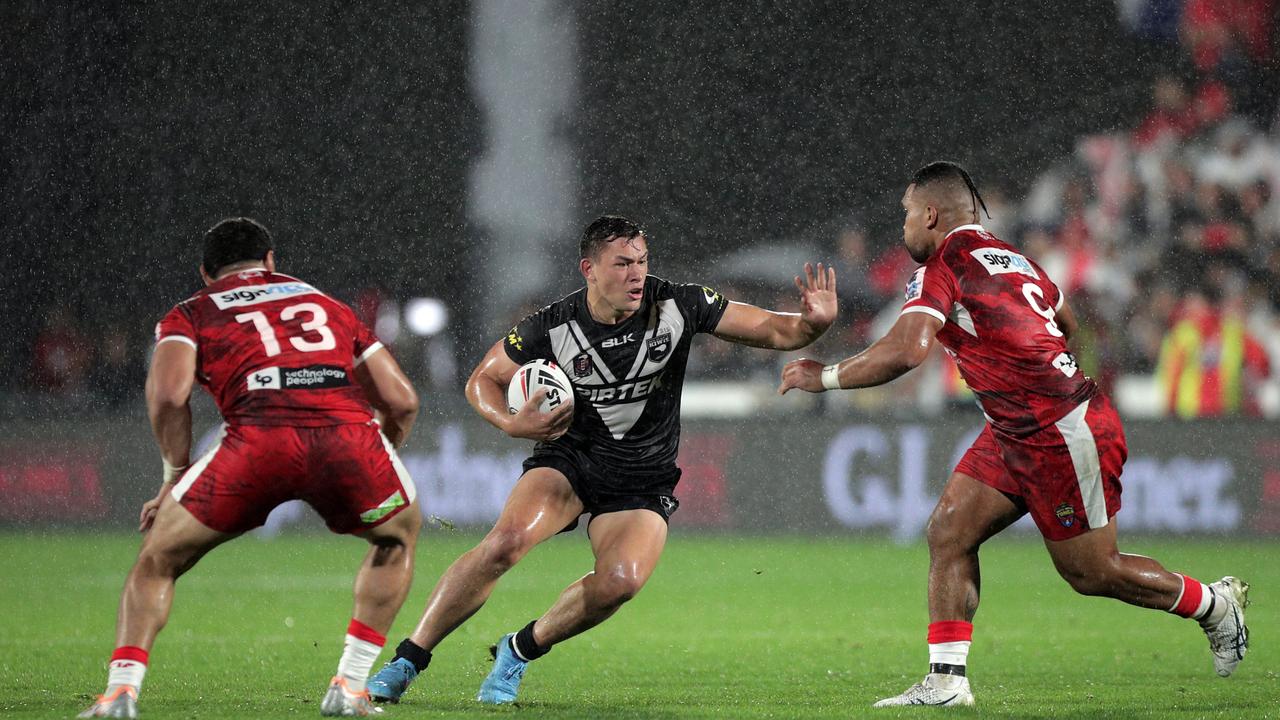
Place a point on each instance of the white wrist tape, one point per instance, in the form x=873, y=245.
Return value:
x=172, y=472
x=831, y=377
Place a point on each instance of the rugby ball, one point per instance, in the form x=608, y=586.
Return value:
x=537, y=374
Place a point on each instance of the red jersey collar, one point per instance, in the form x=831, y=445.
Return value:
x=973, y=226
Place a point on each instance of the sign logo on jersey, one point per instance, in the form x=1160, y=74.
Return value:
x=998, y=261
x=582, y=365
x=255, y=294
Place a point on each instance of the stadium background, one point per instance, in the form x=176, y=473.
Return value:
x=433, y=163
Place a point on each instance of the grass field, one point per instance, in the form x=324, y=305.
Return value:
x=727, y=628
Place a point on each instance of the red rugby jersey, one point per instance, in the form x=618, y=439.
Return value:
x=273, y=350
x=999, y=314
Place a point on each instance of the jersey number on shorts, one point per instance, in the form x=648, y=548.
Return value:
x=316, y=323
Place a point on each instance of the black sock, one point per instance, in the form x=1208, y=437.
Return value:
x=946, y=669
x=414, y=654
x=524, y=646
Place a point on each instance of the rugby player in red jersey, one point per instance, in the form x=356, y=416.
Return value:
x=314, y=406
x=1053, y=445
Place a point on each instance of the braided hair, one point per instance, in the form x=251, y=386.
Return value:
x=944, y=170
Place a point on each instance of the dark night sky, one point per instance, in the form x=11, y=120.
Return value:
x=350, y=130
x=760, y=120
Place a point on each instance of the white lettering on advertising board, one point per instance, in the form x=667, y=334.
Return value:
x=878, y=478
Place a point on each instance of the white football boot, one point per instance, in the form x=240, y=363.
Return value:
x=936, y=689
x=118, y=702
x=339, y=701
x=1229, y=637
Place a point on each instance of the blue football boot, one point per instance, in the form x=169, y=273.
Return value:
x=503, y=682
x=392, y=680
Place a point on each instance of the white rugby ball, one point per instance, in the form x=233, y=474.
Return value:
x=537, y=374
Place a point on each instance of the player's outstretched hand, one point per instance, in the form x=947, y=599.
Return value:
x=803, y=374
x=149, y=508
x=818, y=295
x=533, y=424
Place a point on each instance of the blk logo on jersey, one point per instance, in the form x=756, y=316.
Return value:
x=582, y=365
x=998, y=261
x=616, y=341
x=659, y=345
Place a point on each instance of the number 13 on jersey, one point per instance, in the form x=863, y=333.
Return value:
x=315, y=321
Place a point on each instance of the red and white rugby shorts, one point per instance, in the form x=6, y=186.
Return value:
x=1067, y=475
x=349, y=473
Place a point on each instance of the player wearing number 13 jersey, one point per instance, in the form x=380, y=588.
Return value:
x=1053, y=446
x=314, y=406
x=273, y=350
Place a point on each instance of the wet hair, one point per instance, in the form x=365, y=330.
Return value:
x=234, y=240
x=940, y=172
x=602, y=230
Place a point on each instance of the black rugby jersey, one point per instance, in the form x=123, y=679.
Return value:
x=627, y=378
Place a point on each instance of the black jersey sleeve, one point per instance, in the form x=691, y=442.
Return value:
x=529, y=339
x=701, y=305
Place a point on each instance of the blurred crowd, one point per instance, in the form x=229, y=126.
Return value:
x=1164, y=236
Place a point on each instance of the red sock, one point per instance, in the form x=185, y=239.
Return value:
x=949, y=642
x=128, y=666
x=950, y=631
x=1195, y=600
x=360, y=649
x=360, y=631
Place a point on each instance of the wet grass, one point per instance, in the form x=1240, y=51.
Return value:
x=729, y=627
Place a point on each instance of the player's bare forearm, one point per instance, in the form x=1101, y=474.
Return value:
x=391, y=394
x=168, y=389
x=792, y=331
x=762, y=328
x=876, y=365
x=886, y=360
x=488, y=399
x=396, y=426
x=486, y=391
x=171, y=425
x=749, y=325
x=906, y=345
x=1066, y=319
